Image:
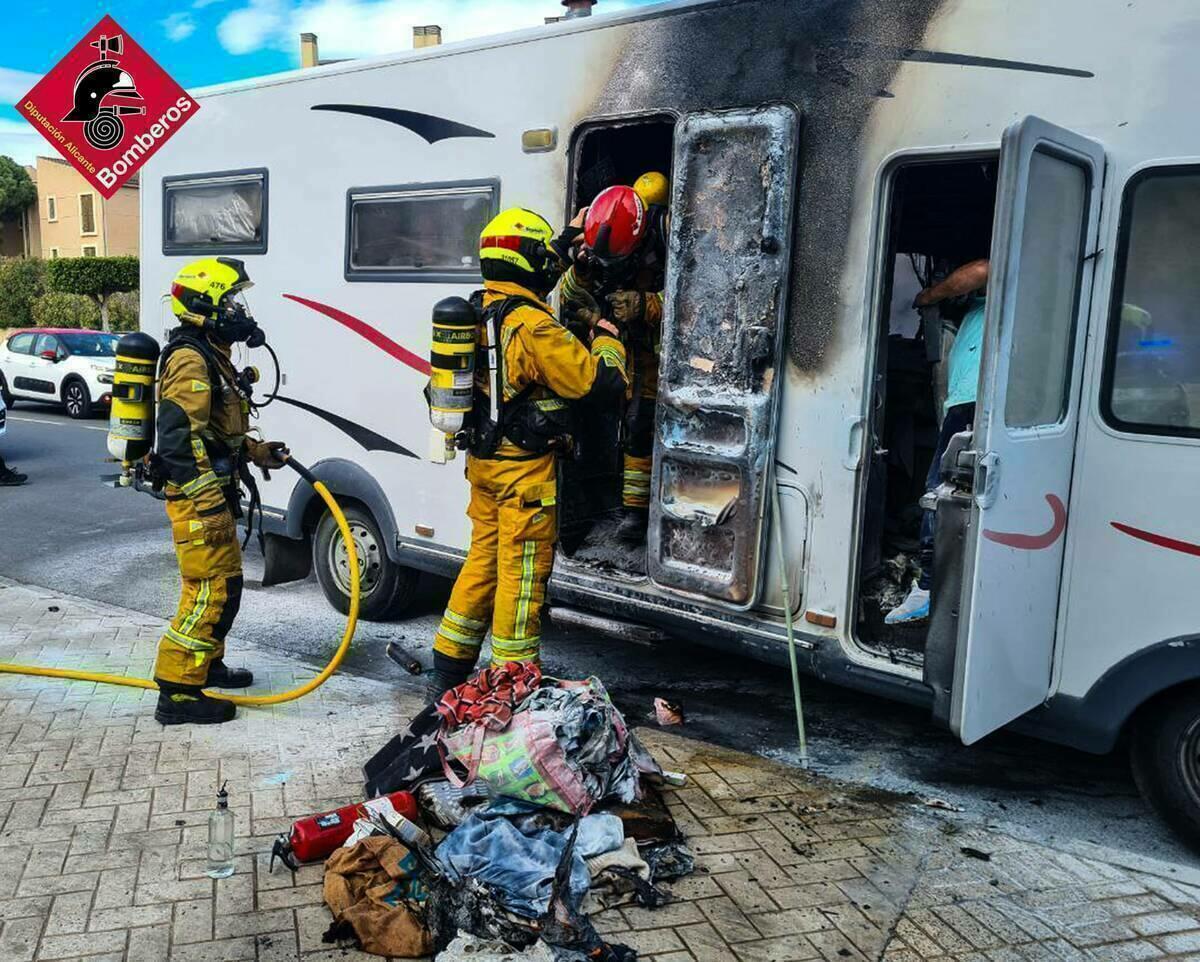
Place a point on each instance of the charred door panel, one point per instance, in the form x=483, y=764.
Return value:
x=723, y=336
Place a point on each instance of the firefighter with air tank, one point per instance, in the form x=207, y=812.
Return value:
x=503, y=370
x=200, y=461
x=620, y=272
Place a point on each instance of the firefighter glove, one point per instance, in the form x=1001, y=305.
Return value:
x=628, y=307
x=219, y=529
x=267, y=455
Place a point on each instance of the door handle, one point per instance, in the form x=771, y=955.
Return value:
x=987, y=480
x=855, y=429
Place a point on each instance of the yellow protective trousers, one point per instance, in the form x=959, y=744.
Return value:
x=641, y=409
x=211, y=596
x=502, y=584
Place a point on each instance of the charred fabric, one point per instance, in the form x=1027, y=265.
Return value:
x=499, y=819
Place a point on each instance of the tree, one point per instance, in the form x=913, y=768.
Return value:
x=17, y=191
x=96, y=277
x=22, y=282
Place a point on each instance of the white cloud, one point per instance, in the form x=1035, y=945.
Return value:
x=179, y=26
x=364, y=28
x=253, y=27
x=15, y=84
x=21, y=142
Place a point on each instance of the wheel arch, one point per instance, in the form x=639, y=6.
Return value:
x=347, y=481
x=73, y=378
x=1096, y=721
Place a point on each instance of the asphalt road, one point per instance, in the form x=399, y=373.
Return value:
x=68, y=531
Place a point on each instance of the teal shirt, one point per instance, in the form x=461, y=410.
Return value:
x=965, y=355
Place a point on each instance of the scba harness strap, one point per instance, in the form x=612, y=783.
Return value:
x=182, y=337
x=538, y=425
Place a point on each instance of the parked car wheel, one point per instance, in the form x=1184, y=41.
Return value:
x=5, y=396
x=1165, y=756
x=387, y=589
x=76, y=399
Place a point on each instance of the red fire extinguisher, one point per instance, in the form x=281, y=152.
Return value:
x=317, y=836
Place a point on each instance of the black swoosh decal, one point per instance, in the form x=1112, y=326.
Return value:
x=867, y=51
x=363, y=436
x=428, y=126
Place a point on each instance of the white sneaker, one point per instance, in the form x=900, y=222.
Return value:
x=913, y=608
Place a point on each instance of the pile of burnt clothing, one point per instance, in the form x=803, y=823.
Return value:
x=541, y=807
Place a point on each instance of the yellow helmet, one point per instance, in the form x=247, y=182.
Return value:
x=654, y=189
x=199, y=288
x=516, y=247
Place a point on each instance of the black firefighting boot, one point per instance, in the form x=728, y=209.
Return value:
x=634, y=522
x=188, y=705
x=220, y=675
x=447, y=673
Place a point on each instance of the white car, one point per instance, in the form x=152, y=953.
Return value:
x=60, y=366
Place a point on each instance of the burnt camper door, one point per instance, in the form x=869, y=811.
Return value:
x=1039, y=291
x=722, y=344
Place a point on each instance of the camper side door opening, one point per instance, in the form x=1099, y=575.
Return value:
x=1039, y=291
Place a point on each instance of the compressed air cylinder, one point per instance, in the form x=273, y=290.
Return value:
x=131, y=423
x=452, y=358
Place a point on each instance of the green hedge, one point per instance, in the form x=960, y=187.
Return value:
x=22, y=281
x=56, y=309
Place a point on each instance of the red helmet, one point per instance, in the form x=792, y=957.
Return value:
x=616, y=223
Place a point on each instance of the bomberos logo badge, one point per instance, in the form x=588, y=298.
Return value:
x=107, y=106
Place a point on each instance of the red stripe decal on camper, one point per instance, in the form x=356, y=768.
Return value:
x=1034, y=542
x=1159, y=540
x=363, y=329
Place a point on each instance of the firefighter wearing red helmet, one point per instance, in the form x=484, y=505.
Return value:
x=622, y=265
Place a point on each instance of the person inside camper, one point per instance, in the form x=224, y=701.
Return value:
x=620, y=272
x=520, y=429
x=969, y=280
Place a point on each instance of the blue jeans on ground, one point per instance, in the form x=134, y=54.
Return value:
x=958, y=418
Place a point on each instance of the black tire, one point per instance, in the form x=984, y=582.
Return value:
x=76, y=399
x=1165, y=756
x=8, y=399
x=387, y=588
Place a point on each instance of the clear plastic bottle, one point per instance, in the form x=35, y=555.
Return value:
x=220, y=838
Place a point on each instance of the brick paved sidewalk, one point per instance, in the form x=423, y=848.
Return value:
x=104, y=829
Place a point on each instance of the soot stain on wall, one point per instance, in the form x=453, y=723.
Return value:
x=799, y=51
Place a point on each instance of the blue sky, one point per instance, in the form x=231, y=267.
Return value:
x=202, y=42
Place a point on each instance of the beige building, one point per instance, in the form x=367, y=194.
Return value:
x=71, y=218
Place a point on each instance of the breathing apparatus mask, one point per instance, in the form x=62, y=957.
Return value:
x=232, y=323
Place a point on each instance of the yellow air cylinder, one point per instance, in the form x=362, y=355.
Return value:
x=452, y=359
x=131, y=423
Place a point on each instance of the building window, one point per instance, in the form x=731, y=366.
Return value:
x=53, y=253
x=87, y=213
x=1152, y=367
x=224, y=212
x=89, y=250
x=52, y=209
x=418, y=232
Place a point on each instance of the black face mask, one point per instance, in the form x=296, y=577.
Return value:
x=234, y=325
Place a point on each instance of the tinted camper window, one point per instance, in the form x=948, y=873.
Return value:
x=418, y=233
x=1152, y=373
x=217, y=213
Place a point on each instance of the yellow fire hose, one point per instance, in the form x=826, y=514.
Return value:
x=250, y=700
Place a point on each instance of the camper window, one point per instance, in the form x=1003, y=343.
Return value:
x=1039, y=373
x=418, y=233
x=1152, y=372
x=224, y=212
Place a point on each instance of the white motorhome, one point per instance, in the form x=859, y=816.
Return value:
x=827, y=160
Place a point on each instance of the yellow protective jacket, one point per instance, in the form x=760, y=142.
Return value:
x=538, y=350
x=201, y=426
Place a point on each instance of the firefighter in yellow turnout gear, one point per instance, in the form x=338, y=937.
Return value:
x=520, y=432
x=202, y=424
x=630, y=279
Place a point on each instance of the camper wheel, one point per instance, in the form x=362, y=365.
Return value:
x=386, y=588
x=1165, y=755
